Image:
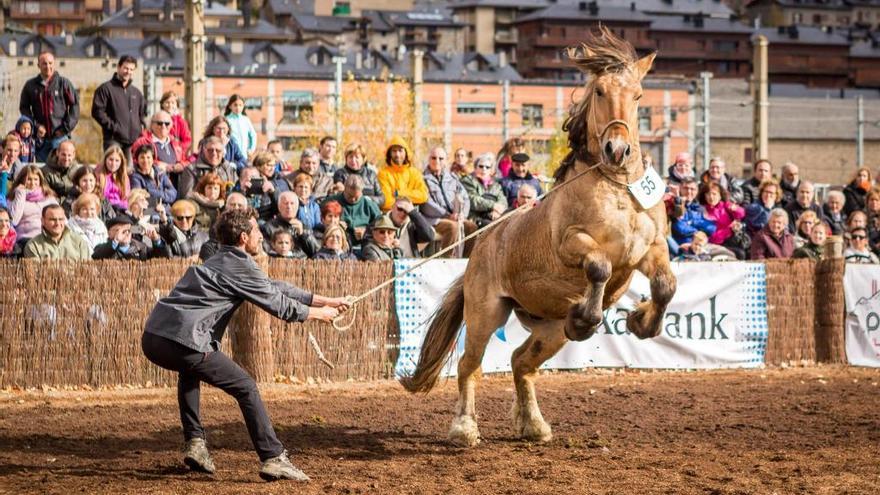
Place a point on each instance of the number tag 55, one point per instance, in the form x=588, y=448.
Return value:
x=648, y=190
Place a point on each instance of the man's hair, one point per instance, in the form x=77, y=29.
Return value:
x=51, y=207
x=858, y=229
x=327, y=138
x=309, y=153
x=355, y=181
x=127, y=59
x=274, y=141
x=688, y=180
x=762, y=160
x=231, y=224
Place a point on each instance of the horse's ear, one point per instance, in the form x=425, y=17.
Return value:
x=644, y=64
x=580, y=55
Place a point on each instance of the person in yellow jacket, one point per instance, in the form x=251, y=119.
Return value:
x=399, y=178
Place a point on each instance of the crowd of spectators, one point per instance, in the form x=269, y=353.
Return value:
x=153, y=196
x=715, y=216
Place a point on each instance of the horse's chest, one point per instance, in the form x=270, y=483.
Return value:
x=630, y=237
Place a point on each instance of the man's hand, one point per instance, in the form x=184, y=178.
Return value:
x=297, y=226
x=325, y=313
x=359, y=232
x=268, y=186
x=405, y=205
x=340, y=303
x=338, y=187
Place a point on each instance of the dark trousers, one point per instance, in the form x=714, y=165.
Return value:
x=213, y=368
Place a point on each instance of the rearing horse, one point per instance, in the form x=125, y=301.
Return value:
x=559, y=265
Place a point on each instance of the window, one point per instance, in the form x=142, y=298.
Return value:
x=32, y=7
x=267, y=56
x=426, y=114
x=66, y=7
x=475, y=108
x=297, y=106
x=253, y=103
x=797, y=18
x=215, y=55
x=532, y=115
x=725, y=46
x=155, y=51
x=817, y=19
x=99, y=49
x=644, y=119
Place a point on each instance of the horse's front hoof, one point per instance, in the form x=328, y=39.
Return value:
x=464, y=432
x=640, y=325
x=579, y=329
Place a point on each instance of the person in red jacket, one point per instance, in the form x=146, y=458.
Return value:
x=179, y=126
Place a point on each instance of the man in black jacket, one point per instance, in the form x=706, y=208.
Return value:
x=412, y=227
x=184, y=330
x=51, y=101
x=119, y=107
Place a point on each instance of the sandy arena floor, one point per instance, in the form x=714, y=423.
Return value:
x=812, y=430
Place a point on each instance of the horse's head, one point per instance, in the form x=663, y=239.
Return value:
x=607, y=116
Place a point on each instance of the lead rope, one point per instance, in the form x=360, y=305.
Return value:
x=352, y=301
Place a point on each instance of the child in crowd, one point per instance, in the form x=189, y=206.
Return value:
x=282, y=245
x=113, y=179
x=24, y=128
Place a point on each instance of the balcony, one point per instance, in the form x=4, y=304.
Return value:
x=553, y=41
x=506, y=38
x=34, y=10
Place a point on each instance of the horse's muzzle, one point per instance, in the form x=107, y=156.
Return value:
x=616, y=151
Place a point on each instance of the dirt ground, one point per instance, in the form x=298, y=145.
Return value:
x=806, y=430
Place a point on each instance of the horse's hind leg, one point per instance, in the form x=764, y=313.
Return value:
x=581, y=251
x=546, y=338
x=647, y=319
x=483, y=314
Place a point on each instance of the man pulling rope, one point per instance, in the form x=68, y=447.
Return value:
x=184, y=330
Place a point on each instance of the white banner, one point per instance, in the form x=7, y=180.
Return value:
x=717, y=319
x=862, y=295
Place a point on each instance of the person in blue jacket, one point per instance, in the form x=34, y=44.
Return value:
x=687, y=214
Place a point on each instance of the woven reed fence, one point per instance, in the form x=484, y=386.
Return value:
x=69, y=323
x=830, y=311
x=73, y=323
x=791, y=308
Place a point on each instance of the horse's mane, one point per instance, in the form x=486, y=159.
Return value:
x=600, y=54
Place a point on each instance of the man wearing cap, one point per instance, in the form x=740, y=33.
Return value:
x=519, y=175
x=399, y=178
x=120, y=245
x=384, y=245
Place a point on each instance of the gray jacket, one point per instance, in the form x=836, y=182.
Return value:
x=446, y=195
x=197, y=310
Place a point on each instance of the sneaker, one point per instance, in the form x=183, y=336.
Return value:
x=280, y=468
x=196, y=456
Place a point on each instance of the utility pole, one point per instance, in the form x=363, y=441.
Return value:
x=337, y=97
x=860, y=131
x=417, y=80
x=760, y=140
x=505, y=110
x=194, y=66
x=706, y=76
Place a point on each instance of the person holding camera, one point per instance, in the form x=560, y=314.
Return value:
x=260, y=193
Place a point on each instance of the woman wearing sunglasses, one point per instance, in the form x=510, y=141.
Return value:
x=182, y=237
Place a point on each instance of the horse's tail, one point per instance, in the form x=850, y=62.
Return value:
x=439, y=341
